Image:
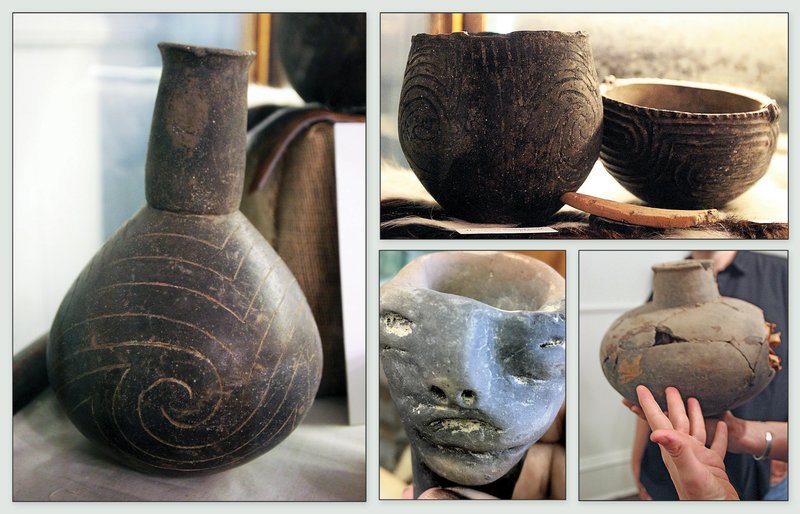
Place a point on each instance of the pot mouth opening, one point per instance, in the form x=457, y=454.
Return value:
x=684, y=265
x=202, y=51
x=690, y=98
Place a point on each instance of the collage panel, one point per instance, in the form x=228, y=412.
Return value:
x=188, y=318
x=687, y=349
x=472, y=375
x=584, y=125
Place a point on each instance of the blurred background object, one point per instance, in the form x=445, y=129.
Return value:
x=325, y=57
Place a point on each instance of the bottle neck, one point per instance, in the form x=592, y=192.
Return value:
x=196, y=154
x=684, y=283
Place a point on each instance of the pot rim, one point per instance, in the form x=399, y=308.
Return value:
x=202, y=51
x=769, y=107
x=683, y=265
x=516, y=34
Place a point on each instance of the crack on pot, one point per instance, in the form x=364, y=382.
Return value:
x=750, y=365
x=664, y=335
x=726, y=304
x=628, y=340
x=678, y=312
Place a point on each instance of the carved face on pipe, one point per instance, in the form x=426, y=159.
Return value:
x=472, y=344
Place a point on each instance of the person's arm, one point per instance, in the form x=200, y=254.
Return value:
x=640, y=438
x=749, y=437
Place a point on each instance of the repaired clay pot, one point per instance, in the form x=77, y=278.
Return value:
x=710, y=347
x=325, y=57
x=185, y=346
x=686, y=145
x=472, y=345
x=498, y=126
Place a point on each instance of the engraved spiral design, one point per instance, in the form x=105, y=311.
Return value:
x=191, y=360
x=571, y=146
x=497, y=128
x=423, y=123
x=679, y=160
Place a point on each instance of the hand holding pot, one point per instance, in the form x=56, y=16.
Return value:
x=744, y=435
x=698, y=472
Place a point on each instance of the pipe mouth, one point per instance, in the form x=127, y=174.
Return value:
x=503, y=280
x=202, y=51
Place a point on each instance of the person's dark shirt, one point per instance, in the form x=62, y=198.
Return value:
x=763, y=281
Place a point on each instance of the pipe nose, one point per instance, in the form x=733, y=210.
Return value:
x=462, y=397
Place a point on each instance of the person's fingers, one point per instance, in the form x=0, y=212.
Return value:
x=437, y=493
x=719, y=444
x=408, y=493
x=727, y=416
x=677, y=444
x=633, y=408
x=653, y=413
x=555, y=433
x=471, y=494
x=534, y=478
x=543, y=474
x=677, y=413
x=558, y=474
x=697, y=425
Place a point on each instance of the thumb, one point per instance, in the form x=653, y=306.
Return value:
x=720, y=442
x=675, y=446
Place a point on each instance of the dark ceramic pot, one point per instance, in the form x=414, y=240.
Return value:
x=686, y=145
x=710, y=347
x=472, y=345
x=498, y=126
x=325, y=57
x=186, y=346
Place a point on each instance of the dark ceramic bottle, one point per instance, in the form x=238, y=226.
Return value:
x=711, y=347
x=186, y=346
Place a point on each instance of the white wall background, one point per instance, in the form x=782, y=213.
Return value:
x=610, y=283
x=57, y=197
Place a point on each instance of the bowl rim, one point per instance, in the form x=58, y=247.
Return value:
x=769, y=107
